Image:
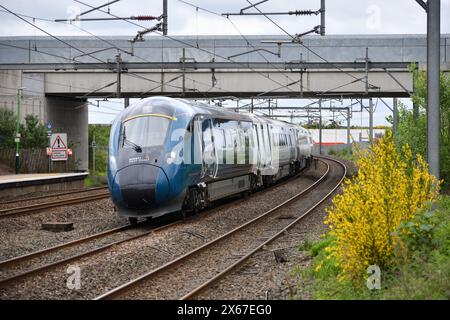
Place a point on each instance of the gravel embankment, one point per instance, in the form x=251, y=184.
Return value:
x=263, y=277
x=23, y=234
x=181, y=279
x=126, y=261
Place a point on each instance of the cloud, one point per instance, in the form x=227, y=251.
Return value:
x=342, y=17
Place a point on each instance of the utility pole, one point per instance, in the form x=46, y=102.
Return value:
x=165, y=16
x=349, y=148
x=395, y=116
x=17, y=138
x=370, y=120
x=183, y=61
x=94, y=146
x=415, y=107
x=366, y=60
x=118, y=61
x=126, y=102
x=322, y=17
x=320, y=126
x=433, y=65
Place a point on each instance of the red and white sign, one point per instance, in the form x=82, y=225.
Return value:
x=58, y=143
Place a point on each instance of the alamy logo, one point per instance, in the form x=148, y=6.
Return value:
x=373, y=21
x=74, y=280
x=374, y=279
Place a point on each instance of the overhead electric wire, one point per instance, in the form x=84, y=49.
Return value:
x=292, y=82
x=113, y=45
x=27, y=16
x=189, y=45
x=49, y=34
x=15, y=89
x=36, y=50
x=308, y=48
x=58, y=39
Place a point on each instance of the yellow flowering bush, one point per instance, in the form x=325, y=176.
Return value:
x=390, y=186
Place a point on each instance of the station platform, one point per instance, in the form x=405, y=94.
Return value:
x=12, y=185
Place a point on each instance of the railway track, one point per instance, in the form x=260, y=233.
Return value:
x=27, y=259
x=176, y=279
x=15, y=269
x=24, y=260
x=22, y=210
x=52, y=195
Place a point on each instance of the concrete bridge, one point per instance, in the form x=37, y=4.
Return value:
x=59, y=76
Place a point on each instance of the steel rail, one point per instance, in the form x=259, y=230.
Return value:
x=41, y=252
x=16, y=211
x=52, y=195
x=46, y=267
x=207, y=284
x=137, y=281
x=31, y=255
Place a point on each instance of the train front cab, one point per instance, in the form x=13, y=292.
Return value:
x=139, y=176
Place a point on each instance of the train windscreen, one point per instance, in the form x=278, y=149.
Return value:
x=144, y=131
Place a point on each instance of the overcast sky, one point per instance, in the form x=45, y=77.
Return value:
x=342, y=17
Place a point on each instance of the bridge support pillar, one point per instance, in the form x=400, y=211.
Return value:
x=71, y=116
x=67, y=115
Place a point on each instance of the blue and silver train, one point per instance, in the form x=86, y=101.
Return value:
x=168, y=155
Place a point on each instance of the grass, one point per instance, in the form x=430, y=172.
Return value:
x=343, y=154
x=94, y=180
x=423, y=273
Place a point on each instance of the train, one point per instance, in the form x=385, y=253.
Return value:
x=174, y=155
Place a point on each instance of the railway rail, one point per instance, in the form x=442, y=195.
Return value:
x=51, y=195
x=24, y=262
x=180, y=266
x=27, y=259
x=33, y=208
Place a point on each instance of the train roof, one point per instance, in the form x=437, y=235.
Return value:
x=216, y=112
x=177, y=106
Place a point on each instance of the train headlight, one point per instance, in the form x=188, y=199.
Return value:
x=112, y=163
x=171, y=157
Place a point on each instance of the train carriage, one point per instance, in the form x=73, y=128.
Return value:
x=169, y=155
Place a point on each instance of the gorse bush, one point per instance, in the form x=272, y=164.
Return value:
x=390, y=187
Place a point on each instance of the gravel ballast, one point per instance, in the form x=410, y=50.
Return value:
x=126, y=261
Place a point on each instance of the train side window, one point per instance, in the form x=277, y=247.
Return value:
x=219, y=141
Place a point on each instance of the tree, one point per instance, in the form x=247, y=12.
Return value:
x=33, y=133
x=7, y=128
x=101, y=134
x=414, y=130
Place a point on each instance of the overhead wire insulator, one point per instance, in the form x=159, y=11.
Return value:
x=145, y=18
x=304, y=12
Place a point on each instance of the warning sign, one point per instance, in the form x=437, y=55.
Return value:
x=58, y=143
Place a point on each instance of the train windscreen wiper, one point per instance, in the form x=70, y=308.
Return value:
x=135, y=146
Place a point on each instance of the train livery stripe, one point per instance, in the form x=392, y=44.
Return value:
x=149, y=115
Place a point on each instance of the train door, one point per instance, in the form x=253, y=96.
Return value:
x=293, y=151
x=198, y=143
x=256, y=148
x=210, y=163
x=269, y=147
x=297, y=144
